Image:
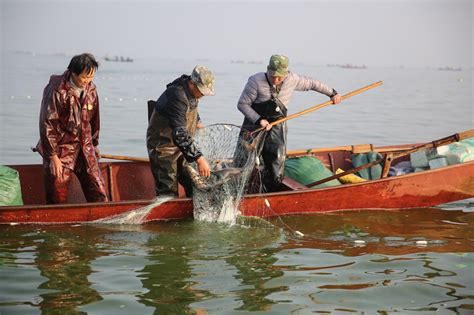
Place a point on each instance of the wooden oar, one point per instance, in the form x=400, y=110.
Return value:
x=398, y=152
x=357, y=148
x=389, y=157
x=124, y=158
x=361, y=148
x=312, y=109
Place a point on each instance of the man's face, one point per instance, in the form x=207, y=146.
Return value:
x=274, y=80
x=84, y=78
x=194, y=90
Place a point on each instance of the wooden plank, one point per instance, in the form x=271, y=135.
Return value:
x=292, y=184
x=124, y=158
x=392, y=156
x=358, y=148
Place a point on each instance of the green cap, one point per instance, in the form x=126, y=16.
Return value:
x=278, y=66
x=204, y=80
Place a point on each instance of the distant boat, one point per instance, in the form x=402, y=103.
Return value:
x=254, y=62
x=250, y=62
x=347, y=66
x=449, y=69
x=351, y=66
x=118, y=59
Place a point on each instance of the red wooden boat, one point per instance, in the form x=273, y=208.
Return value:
x=130, y=186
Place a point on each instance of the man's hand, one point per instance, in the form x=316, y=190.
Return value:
x=336, y=99
x=56, y=166
x=203, y=167
x=265, y=124
x=97, y=152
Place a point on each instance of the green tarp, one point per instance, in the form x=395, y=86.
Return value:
x=10, y=189
x=307, y=170
x=374, y=172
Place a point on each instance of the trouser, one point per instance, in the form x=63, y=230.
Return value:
x=272, y=154
x=167, y=167
x=57, y=188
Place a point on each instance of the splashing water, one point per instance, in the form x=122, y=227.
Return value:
x=136, y=216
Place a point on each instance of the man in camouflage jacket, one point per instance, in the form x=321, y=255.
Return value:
x=171, y=129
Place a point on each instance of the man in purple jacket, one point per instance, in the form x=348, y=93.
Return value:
x=69, y=128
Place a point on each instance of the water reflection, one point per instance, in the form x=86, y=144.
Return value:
x=390, y=271
x=209, y=268
x=62, y=254
x=385, y=232
x=64, y=257
x=166, y=277
x=188, y=267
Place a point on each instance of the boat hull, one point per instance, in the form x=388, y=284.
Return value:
x=424, y=189
x=414, y=190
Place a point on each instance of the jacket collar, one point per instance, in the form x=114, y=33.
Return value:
x=71, y=88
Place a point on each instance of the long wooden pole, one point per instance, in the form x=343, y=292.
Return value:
x=124, y=158
x=312, y=109
x=293, y=152
x=400, y=151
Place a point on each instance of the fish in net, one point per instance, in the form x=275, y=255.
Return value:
x=232, y=154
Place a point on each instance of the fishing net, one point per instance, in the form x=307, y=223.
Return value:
x=232, y=154
x=135, y=216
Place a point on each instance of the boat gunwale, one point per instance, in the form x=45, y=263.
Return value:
x=373, y=181
x=246, y=196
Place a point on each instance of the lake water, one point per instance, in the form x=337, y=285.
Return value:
x=364, y=262
x=413, y=105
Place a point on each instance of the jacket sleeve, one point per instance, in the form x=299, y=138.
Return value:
x=186, y=144
x=95, y=122
x=177, y=118
x=305, y=84
x=247, y=98
x=49, y=122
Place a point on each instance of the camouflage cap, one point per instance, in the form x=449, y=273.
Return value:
x=204, y=80
x=278, y=66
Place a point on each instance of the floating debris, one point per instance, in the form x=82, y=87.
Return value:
x=299, y=233
x=267, y=203
x=452, y=222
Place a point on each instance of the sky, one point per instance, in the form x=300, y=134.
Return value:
x=375, y=33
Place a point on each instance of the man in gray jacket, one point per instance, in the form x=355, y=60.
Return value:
x=264, y=100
